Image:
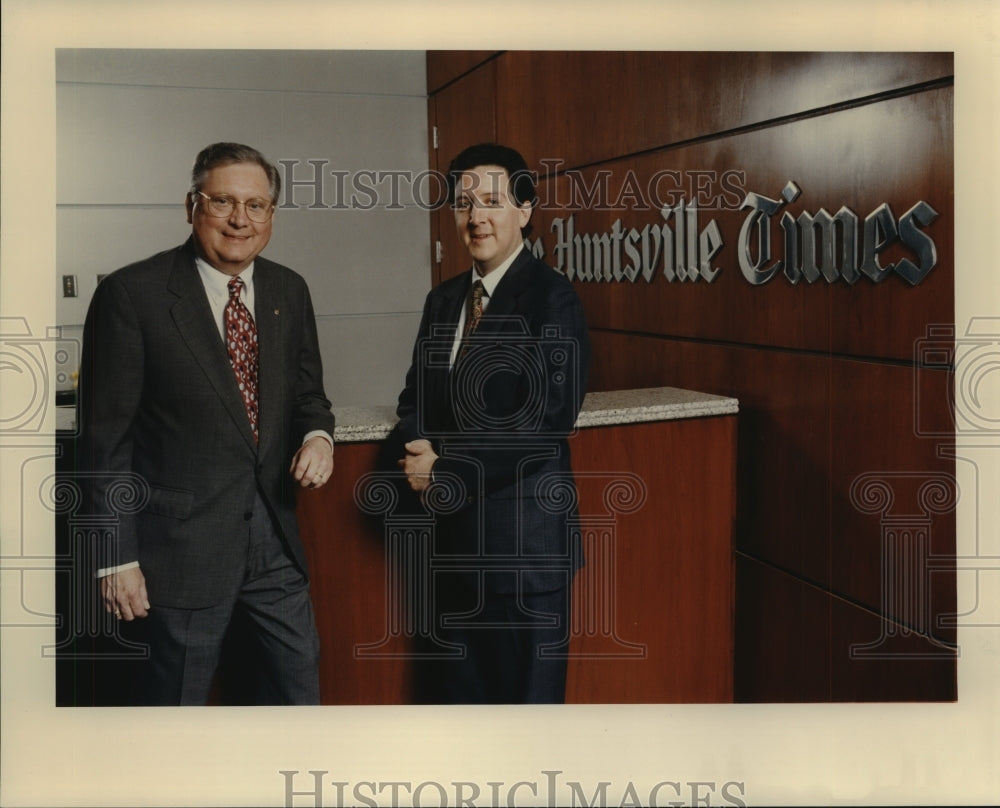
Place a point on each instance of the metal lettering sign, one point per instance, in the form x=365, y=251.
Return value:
x=810, y=247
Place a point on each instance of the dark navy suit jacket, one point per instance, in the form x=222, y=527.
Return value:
x=503, y=489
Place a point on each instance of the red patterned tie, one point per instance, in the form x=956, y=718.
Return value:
x=475, y=315
x=241, y=342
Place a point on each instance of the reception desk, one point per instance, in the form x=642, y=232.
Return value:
x=653, y=606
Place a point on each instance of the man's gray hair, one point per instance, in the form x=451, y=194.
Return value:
x=224, y=154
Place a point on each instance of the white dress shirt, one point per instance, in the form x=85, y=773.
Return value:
x=490, y=281
x=217, y=289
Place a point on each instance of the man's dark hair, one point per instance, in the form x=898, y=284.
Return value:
x=522, y=180
x=224, y=154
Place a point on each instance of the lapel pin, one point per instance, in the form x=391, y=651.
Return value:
x=275, y=312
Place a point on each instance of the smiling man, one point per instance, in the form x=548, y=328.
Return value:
x=498, y=376
x=201, y=387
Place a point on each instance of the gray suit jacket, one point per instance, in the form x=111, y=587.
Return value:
x=157, y=399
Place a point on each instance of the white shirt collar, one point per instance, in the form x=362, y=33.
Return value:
x=216, y=285
x=218, y=282
x=491, y=279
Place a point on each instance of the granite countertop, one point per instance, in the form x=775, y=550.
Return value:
x=357, y=424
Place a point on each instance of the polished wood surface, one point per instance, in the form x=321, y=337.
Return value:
x=838, y=398
x=863, y=319
x=447, y=66
x=669, y=563
x=782, y=636
x=821, y=648
x=349, y=575
x=461, y=119
x=822, y=441
x=653, y=607
x=589, y=106
x=812, y=430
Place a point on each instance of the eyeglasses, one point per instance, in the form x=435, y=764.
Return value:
x=222, y=206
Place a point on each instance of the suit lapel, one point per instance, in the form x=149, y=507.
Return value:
x=194, y=320
x=454, y=299
x=504, y=301
x=444, y=322
x=267, y=314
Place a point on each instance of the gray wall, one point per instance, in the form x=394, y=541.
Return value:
x=130, y=122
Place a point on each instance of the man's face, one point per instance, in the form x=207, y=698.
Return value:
x=232, y=242
x=489, y=222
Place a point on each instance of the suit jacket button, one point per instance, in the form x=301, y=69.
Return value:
x=248, y=516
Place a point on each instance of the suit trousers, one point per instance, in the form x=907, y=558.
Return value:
x=272, y=605
x=504, y=648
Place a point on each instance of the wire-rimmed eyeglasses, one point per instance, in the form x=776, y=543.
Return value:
x=222, y=206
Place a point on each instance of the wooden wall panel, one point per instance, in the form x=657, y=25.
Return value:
x=657, y=537
x=670, y=567
x=784, y=444
x=906, y=156
x=875, y=659
x=463, y=114
x=443, y=67
x=782, y=636
x=893, y=493
x=813, y=430
x=587, y=106
x=798, y=643
x=349, y=573
x=830, y=376
x=832, y=169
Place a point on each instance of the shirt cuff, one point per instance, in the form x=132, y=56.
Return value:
x=104, y=573
x=321, y=433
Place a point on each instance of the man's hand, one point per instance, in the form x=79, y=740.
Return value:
x=313, y=463
x=124, y=593
x=418, y=463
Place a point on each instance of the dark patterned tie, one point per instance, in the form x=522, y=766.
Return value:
x=475, y=315
x=241, y=342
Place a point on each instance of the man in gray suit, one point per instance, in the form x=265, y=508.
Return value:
x=498, y=376
x=201, y=381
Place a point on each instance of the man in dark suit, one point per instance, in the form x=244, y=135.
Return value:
x=497, y=379
x=207, y=393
